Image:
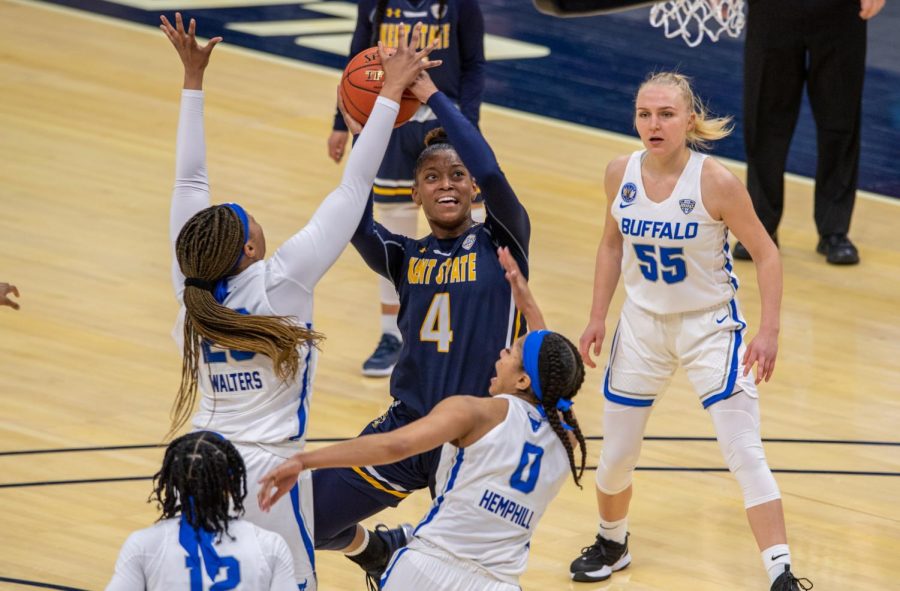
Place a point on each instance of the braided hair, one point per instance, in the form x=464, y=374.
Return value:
x=561, y=372
x=208, y=248
x=204, y=478
x=436, y=141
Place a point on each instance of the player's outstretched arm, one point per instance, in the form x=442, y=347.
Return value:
x=452, y=419
x=191, y=191
x=313, y=250
x=522, y=295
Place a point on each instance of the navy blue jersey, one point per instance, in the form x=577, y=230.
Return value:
x=457, y=25
x=456, y=307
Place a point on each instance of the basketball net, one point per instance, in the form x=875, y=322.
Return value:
x=695, y=20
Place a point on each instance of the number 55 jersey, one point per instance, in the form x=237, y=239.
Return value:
x=675, y=256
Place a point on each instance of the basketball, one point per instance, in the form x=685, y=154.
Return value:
x=361, y=82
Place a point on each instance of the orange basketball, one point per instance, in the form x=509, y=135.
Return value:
x=362, y=81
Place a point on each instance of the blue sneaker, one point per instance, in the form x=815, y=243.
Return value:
x=382, y=361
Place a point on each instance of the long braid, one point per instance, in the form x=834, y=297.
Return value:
x=208, y=247
x=561, y=373
x=208, y=470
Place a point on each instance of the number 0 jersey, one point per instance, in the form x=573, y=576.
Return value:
x=675, y=256
x=493, y=493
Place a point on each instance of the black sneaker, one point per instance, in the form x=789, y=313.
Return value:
x=838, y=249
x=600, y=560
x=394, y=539
x=786, y=581
x=381, y=363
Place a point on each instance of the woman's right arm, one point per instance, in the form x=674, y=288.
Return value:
x=452, y=419
x=608, y=267
x=191, y=192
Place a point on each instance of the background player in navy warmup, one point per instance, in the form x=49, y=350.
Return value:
x=456, y=312
x=666, y=235
x=245, y=323
x=200, y=541
x=503, y=460
x=458, y=28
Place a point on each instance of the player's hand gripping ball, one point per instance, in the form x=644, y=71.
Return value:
x=361, y=82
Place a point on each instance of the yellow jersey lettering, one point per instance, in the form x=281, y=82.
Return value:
x=454, y=272
x=471, y=258
x=429, y=269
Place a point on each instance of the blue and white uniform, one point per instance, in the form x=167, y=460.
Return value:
x=241, y=397
x=249, y=559
x=680, y=306
x=492, y=494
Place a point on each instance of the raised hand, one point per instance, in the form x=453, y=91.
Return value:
x=5, y=290
x=423, y=87
x=402, y=66
x=522, y=295
x=194, y=57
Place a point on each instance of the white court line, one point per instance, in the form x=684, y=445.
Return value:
x=307, y=67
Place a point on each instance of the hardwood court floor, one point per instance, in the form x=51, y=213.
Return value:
x=87, y=127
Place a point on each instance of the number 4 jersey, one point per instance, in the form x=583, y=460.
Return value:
x=493, y=493
x=675, y=256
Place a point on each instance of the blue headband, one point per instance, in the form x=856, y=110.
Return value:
x=196, y=541
x=220, y=291
x=531, y=350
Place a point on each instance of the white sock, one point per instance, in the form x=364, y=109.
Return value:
x=389, y=325
x=362, y=547
x=614, y=530
x=774, y=560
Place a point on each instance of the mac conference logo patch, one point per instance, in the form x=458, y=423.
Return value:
x=687, y=205
x=629, y=192
x=469, y=242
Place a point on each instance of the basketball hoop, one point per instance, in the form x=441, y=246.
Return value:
x=695, y=20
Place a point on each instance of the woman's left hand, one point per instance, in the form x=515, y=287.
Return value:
x=762, y=350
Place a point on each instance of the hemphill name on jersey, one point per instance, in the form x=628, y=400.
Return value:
x=505, y=508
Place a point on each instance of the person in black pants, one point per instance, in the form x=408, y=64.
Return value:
x=821, y=43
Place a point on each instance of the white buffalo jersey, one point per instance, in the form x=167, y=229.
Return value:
x=251, y=559
x=675, y=256
x=494, y=492
x=241, y=397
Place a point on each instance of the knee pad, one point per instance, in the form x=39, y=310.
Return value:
x=623, y=427
x=737, y=430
